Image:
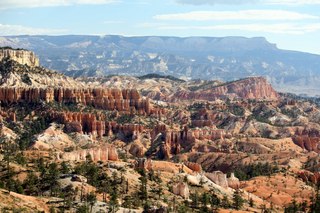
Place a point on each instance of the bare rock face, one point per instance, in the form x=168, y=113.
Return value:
x=137, y=149
x=144, y=163
x=108, y=99
x=103, y=153
x=233, y=182
x=175, y=140
x=201, y=123
x=193, y=166
x=308, y=139
x=310, y=177
x=218, y=178
x=130, y=131
x=20, y=56
x=96, y=125
x=181, y=189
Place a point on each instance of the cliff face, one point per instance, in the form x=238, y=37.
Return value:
x=181, y=189
x=104, y=153
x=308, y=139
x=20, y=56
x=175, y=140
x=249, y=88
x=107, y=99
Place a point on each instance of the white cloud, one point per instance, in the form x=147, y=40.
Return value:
x=284, y=28
x=6, y=4
x=293, y=2
x=236, y=2
x=213, y=2
x=6, y=30
x=271, y=15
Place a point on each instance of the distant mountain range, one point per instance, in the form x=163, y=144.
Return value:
x=226, y=58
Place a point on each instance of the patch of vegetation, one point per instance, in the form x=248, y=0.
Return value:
x=262, y=116
x=237, y=110
x=32, y=128
x=149, y=76
x=289, y=112
x=10, y=48
x=26, y=79
x=196, y=106
x=246, y=172
x=205, y=85
x=123, y=119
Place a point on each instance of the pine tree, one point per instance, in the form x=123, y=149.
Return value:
x=215, y=201
x=205, y=200
x=9, y=149
x=195, y=200
x=143, y=191
x=225, y=203
x=315, y=201
x=91, y=199
x=64, y=168
x=238, y=201
x=114, y=193
x=31, y=184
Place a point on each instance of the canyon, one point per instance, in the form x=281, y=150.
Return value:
x=171, y=137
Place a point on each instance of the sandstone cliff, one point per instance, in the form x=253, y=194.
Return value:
x=181, y=189
x=175, y=140
x=174, y=91
x=308, y=139
x=250, y=88
x=21, y=56
x=103, y=153
x=108, y=99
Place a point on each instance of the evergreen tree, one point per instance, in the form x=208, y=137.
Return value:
x=205, y=200
x=143, y=191
x=104, y=186
x=8, y=149
x=238, y=201
x=215, y=201
x=31, y=184
x=315, y=201
x=68, y=195
x=82, y=209
x=91, y=199
x=49, y=179
x=64, y=168
x=114, y=193
x=195, y=200
x=251, y=203
x=225, y=203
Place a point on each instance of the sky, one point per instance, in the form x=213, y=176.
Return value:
x=291, y=24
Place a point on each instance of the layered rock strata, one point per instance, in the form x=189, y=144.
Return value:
x=308, y=139
x=95, y=124
x=181, y=189
x=250, y=88
x=175, y=140
x=103, y=153
x=100, y=98
x=20, y=56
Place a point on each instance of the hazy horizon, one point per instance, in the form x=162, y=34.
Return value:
x=291, y=24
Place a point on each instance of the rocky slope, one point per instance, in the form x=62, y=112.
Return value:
x=157, y=87
x=15, y=74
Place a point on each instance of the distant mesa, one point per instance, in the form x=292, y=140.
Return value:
x=190, y=58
